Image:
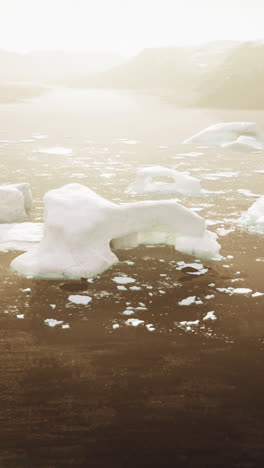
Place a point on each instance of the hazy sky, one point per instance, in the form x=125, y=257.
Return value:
x=125, y=26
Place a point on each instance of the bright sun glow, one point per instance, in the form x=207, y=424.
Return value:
x=125, y=26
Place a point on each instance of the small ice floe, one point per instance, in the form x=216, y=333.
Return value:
x=129, y=262
x=20, y=316
x=190, y=300
x=66, y=325
x=115, y=326
x=60, y=150
x=133, y=322
x=232, y=291
x=128, y=312
x=150, y=327
x=209, y=296
x=135, y=288
x=188, y=325
x=257, y=294
x=219, y=175
x=38, y=136
x=53, y=306
x=77, y=299
x=210, y=316
x=211, y=285
x=53, y=322
x=129, y=142
x=123, y=280
x=191, y=154
x=26, y=290
x=121, y=288
x=196, y=266
x=247, y=193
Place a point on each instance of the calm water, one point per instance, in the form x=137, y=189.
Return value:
x=110, y=135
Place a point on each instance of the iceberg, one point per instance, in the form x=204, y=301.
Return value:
x=181, y=183
x=236, y=136
x=81, y=228
x=254, y=216
x=15, y=202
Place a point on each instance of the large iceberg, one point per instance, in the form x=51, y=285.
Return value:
x=81, y=227
x=179, y=183
x=254, y=216
x=15, y=202
x=237, y=136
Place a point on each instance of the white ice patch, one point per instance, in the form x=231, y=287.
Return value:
x=81, y=229
x=77, y=299
x=133, y=322
x=210, y=316
x=123, y=280
x=53, y=322
x=190, y=300
x=181, y=183
x=257, y=294
x=248, y=193
x=60, y=150
x=235, y=136
x=232, y=291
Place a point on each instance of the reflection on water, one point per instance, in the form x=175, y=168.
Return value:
x=99, y=138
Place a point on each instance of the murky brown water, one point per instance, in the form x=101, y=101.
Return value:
x=111, y=135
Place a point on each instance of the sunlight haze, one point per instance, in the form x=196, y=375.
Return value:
x=124, y=26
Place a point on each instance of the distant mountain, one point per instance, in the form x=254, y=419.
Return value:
x=53, y=67
x=176, y=72
x=238, y=81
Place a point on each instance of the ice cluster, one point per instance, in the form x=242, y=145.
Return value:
x=254, y=216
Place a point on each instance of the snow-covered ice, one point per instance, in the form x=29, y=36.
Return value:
x=189, y=300
x=15, y=202
x=134, y=322
x=123, y=280
x=236, y=136
x=180, y=183
x=78, y=299
x=81, y=227
x=210, y=316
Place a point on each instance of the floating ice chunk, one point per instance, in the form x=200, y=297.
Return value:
x=254, y=216
x=115, y=326
x=135, y=288
x=20, y=316
x=60, y=150
x=189, y=300
x=15, y=202
x=77, y=299
x=133, y=322
x=209, y=296
x=257, y=294
x=80, y=226
x=66, y=325
x=123, y=280
x=189, y=323
x=121, y=288
x=181, y=183
x=53, y=322
x=210, y=316
x=237, y=136
x=150, y=327
x=231, y=290
x=128, y=312
x=21, y=237
x=26, y=290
